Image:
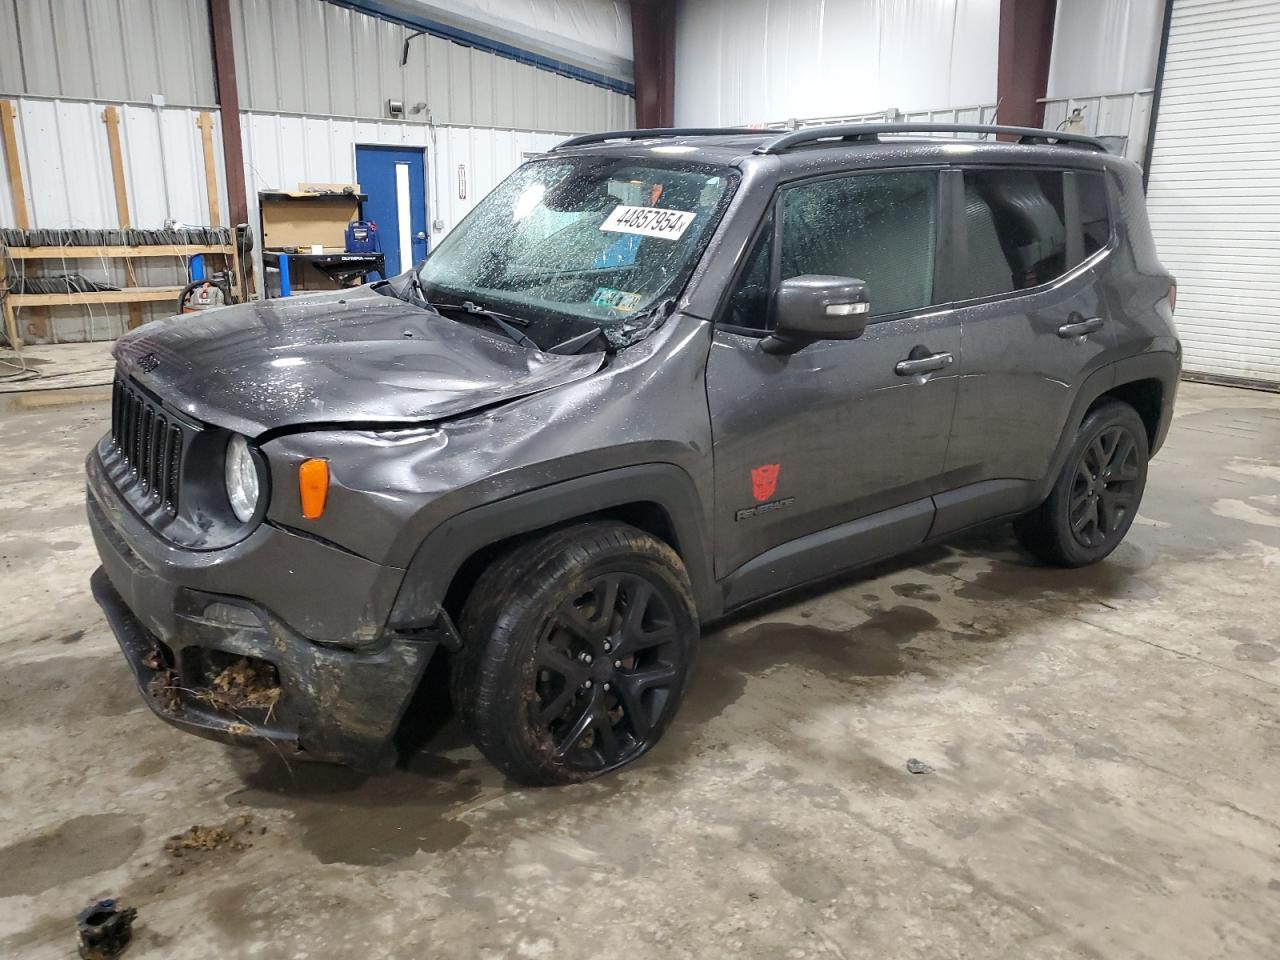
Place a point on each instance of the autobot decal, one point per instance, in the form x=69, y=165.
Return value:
x=764, y=481
x=764, y=484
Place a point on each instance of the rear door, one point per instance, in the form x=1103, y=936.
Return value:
x=839, y=430
x=1034, y=320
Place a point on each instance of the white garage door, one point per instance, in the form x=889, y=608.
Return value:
x=1214, y=191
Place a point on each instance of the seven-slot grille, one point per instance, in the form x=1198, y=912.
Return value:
x=149, y=442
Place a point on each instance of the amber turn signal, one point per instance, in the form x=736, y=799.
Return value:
x=313, y=486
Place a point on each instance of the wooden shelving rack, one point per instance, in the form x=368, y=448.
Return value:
x=130, y=294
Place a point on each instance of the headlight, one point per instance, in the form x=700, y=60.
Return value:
x=242, y=479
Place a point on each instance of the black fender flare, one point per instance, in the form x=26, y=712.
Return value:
x=444, y=550
x=1162, y=365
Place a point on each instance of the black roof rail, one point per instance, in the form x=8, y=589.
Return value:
x=652, y=133
x=872, y=131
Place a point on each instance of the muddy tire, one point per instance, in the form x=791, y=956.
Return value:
x=1097, y=493
x=576, y=650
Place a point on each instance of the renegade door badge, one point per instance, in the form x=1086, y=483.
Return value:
x=746, y=513
x=648, y=221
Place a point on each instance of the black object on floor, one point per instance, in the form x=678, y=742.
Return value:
x=105, y=929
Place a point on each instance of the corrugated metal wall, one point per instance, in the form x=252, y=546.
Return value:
x=751, y=61
x=307, y=57
x=67, y=170
x=293, y=56
x=107, y=49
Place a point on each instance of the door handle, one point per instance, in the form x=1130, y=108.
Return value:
x=917, y=365
x=1080, y=328
x=420, y=235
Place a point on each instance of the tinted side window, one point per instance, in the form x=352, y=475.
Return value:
x=1015, y=223
x=879, y=227
x=749, y=305
x=1095, y=220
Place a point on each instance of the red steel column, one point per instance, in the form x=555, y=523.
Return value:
x=653, y=39
x=1022, y=76
x=224, y=70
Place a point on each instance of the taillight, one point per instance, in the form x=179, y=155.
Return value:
x=1173, y=297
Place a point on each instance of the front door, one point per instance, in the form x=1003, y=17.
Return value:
x=839, y=430
x=394, y=178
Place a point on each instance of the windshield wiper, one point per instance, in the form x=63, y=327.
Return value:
x=576, y=343
x=500, y=320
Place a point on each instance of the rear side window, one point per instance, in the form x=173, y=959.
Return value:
x=1095, y=219
x=1015, y=224
x=879, y=227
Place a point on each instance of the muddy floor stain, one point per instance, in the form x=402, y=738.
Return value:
x=1256, y=652
x=916, y=591
x=71, y=689
x=873, y=648
x=77, y=848
x=368, y=821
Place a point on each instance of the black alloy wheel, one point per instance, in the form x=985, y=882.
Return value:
x=576, y=649
x=1105, y=491
x=607, y=661
x=1095, y=495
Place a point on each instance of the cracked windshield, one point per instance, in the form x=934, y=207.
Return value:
x=605, y=240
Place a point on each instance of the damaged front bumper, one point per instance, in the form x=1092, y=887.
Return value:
x=315, y=701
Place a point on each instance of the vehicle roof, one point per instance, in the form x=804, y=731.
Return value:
x=739, y=150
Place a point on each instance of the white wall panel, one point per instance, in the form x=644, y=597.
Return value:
x=757, y=61
x=67, y=168
x=1214, y=191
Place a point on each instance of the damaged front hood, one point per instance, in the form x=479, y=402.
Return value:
x=348, y=357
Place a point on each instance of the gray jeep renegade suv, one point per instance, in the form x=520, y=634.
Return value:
x=654, y=376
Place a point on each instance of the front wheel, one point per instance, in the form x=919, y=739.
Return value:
x=577, y=647
x=1096, y=496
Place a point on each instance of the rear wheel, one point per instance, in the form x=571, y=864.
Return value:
x=576, y=650
x=1096, y=496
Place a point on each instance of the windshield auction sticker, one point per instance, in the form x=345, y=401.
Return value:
x=648, y=222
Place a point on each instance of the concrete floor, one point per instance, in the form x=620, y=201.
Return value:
x=1105, y=745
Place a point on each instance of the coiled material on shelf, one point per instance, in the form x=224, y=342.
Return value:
x=65, y=283
x=186, y=236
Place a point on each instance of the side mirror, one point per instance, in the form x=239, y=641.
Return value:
x=816, y=307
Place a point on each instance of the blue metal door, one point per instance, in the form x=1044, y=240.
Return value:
x=395, y=180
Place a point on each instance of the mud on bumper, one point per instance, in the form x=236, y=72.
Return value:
x=316, y=701
x=332, y=705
